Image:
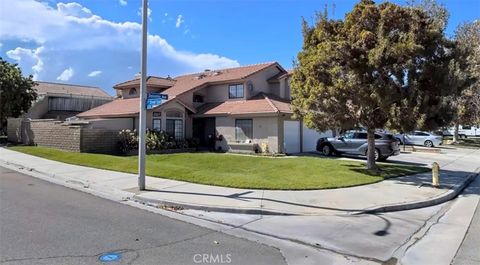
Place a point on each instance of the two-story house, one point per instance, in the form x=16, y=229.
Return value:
x=242, y=105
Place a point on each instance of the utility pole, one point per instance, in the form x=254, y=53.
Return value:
x=143, y=98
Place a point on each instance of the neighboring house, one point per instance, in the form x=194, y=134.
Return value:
x=55, y=101
x=61, y=101
x=245, y=108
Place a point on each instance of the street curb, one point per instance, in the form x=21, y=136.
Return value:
x=421, y=149
x=447, y=196
x=188, y=206
x=91, y=188
x=122, y=195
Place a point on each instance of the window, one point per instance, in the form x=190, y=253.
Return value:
x=360, y=135
x=421, y=134
x=157, y=121
x=175, y=128
x=132, y=91
x=348, y=135
x=198, y=98
x=235, y=91
x=466, y=127
x=243, y=129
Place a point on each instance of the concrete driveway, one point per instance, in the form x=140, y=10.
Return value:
x=375, y=238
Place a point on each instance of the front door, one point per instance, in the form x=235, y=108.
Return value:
x=203, y=129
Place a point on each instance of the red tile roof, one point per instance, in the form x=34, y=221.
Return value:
x=153, y=81
x=117, y=108
x=191, y=81
x=122, y=108
x=262, y=103
x=185, y=83
x=69, y=89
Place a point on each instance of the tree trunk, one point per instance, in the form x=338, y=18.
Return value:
x=371, y=164
x=455, y=133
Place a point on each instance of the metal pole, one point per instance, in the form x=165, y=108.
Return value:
x=143, y=98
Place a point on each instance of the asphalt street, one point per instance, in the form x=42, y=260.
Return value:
x=43, y=223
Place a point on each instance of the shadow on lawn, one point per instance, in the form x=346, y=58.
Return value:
x=359, y=158
x=392, y=170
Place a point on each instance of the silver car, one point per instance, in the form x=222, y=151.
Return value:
x=420, y=138
x=355, y=143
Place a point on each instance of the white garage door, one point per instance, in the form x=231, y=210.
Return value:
x=291, y=139
x=310, y=138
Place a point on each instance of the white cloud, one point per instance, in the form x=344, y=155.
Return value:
x=66, y=74
x=179, y=22
x=70, y=35
x=74, y=9
x=123, y=2
x=94, y=73
x=28, y=58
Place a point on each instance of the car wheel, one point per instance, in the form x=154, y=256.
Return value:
x=428, y=143
x=377, y=155
x=383, y=158
x=326, y=150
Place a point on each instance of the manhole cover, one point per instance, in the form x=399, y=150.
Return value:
x=109, y=257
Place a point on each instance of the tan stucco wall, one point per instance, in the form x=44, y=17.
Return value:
x=265, y=130
x=125, y=91
x=112, y=124
x=284, y=88
x=217, y=93
x=259, y=81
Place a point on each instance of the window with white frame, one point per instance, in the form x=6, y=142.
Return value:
x=235, y=91
x=243, y=129
x=174, y=124
x=157, y=121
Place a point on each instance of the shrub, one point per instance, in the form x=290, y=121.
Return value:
x=128, y=140
x=154, y=140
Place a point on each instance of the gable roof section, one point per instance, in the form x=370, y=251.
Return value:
x=117, y=108
x=70, y=89
x=260, y=104
x=188, y=82
x=123, y=108
x=153, y=81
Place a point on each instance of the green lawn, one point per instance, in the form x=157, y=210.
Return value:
x=473, y=142
x=288, y=173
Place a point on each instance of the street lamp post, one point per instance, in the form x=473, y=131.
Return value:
x=143, y=98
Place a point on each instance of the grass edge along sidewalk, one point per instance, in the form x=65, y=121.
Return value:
x=252, y=172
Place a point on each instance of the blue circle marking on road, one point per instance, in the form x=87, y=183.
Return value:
x=109, y=257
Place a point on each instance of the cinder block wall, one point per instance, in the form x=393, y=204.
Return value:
x=99, y=141
x=56, y=134
x=60, y=135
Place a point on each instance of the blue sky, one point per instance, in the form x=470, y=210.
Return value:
x=96, y=42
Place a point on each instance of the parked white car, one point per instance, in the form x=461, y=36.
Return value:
x=420, y=138
x=464, y=131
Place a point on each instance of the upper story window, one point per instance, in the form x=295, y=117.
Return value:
x=198, y=98
x=235, y=91
x=133, y=91
x=157, y=121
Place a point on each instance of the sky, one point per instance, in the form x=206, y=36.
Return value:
x=97, y=42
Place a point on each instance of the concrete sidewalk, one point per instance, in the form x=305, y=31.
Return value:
x=400, y=193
